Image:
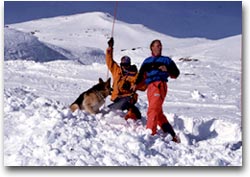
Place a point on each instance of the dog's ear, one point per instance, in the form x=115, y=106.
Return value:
x=100, y=80
x=109, y=79
x=108, y=82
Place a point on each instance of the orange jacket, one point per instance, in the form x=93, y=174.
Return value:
x=118, y=78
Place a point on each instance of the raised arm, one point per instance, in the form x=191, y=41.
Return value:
x=112, y=65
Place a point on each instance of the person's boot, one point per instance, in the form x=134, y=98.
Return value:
x=130, y=115
x=167, y=128
x=133, y=113
x=176, y=139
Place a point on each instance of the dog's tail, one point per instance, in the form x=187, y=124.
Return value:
x=74, y=107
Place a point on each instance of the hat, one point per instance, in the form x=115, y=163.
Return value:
x=125, y=60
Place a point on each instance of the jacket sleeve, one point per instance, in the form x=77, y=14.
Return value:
x=112, y=65
x=173, y=71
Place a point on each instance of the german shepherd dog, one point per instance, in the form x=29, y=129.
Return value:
x=92, y=99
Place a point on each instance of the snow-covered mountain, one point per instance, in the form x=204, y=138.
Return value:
x=203, y=104
x=85, y=35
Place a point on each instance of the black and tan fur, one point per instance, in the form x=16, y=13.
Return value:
x=92, y=99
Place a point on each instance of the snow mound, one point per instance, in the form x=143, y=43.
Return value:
x=197, y=95
x=42, y=132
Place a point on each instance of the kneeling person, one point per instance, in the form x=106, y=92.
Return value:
x=124, y=76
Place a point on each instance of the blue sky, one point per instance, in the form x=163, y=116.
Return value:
x=209, y=19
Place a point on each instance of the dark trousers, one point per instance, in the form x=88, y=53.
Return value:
x=124, y=103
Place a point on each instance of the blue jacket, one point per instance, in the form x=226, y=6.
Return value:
x=150, y=70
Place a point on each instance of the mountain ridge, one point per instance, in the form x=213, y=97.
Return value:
x=80, y=35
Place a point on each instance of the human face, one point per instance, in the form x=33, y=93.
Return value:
x=156, y=49
x=124, y=66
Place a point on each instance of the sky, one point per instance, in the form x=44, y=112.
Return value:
x=208, y=19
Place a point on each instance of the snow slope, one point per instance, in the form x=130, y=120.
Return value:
x=87, y=32
x=203, y=104
x=19, y=45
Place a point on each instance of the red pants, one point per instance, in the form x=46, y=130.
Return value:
x=156, y=93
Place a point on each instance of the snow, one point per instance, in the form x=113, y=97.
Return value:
x=26, y=45
x=203, y=104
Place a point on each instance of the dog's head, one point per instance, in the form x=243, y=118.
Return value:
x=105, y=87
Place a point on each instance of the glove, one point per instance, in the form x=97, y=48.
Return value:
x=111, y=42
x=163, y=68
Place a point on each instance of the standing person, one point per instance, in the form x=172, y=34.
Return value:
x=124, y=76
x=154, y=72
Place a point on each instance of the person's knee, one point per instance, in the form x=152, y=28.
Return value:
x=121, y=104
x=155, y=108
